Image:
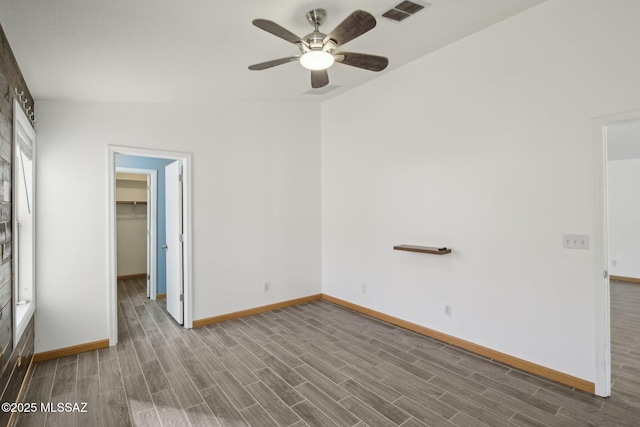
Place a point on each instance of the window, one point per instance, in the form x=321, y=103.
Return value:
x=23, y=221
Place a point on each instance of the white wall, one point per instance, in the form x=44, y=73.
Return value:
x=486, y=147
x=623, y=182
x=256, y=206
x=131, y=233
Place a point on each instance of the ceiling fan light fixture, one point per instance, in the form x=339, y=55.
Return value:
x=316, y=59
x=318, y=51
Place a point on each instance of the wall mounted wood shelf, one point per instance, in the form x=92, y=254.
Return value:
x=423, y=249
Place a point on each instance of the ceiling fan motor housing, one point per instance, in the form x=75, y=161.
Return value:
x=315, y=40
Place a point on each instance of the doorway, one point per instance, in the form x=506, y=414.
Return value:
x=184, y=276
x=623, y=200
x=605, y=129
x=136, y=229
x=623, y=236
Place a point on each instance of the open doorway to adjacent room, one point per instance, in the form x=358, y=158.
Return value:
x=617, y=142
x=149, y=232
x=622, y=141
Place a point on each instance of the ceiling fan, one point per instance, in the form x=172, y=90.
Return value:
x=318, y=51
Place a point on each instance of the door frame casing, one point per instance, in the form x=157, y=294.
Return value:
x=185, y=159
x=601, y=248
x=152, y=212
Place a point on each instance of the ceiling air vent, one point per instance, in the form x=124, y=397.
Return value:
x=404, y=10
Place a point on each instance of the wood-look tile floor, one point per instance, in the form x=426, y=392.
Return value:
x=317, y=364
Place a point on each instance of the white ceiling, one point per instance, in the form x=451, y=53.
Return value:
x=199, y=50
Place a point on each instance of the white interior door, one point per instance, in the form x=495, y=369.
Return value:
x=173, y=245
x=149, y=261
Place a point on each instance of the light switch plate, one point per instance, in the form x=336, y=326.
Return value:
x=575, y=241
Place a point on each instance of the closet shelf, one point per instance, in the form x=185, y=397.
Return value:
x=130, y=202
x=423, y=249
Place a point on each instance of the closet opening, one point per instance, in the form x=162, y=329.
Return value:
x=136, y=229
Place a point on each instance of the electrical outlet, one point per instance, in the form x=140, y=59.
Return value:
x=266, y=286
x=614, y=262
x=447, y=309
x=363, y=288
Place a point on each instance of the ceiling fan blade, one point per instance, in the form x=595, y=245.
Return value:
x=273, y=63
x=277, y=30
x=354, y=25
x=319, y=78
x=362, y=60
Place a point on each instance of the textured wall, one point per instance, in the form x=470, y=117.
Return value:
x=13, y=361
